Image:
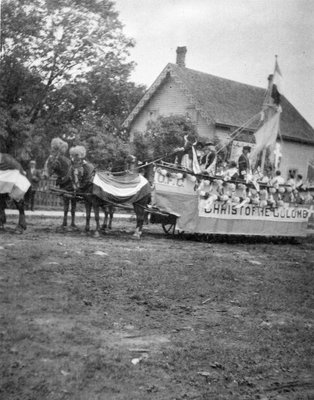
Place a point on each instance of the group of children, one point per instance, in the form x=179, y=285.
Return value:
x=269, y=178
x=205, y=155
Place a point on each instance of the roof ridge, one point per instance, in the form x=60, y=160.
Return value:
x=215, y=76
x=224, y=101
x=147, y=96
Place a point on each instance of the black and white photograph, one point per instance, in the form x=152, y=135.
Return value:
x=156, y=200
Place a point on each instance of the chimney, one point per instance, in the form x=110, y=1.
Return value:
x=181, y=52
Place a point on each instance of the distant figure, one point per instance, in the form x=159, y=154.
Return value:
x=267, y=177
x=244, y=163
x=277, y=179
x=291, y=179
x=231, y=172
x=299, y=182
x=132, y=164
x=33, y=175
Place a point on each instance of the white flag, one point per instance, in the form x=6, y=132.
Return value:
x=267, y=134
x=196, y=167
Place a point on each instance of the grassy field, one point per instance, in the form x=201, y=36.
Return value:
x=161, y=318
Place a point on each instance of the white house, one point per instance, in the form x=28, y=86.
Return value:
x=218, y=106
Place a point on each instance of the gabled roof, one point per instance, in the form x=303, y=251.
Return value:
x=226, y=102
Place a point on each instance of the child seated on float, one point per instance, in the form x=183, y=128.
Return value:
x=291, y=179
x=266, y=177
x=221, y=169
x=231, y=173
x=277, y=180
x=299, y=184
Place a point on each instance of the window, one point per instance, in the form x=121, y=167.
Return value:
x=193, y=114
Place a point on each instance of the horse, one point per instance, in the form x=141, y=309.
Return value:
x=95, y=202
x=60, y=165
x=97, y=198
x=13, y=186
x=20, y=205
x=84, y=174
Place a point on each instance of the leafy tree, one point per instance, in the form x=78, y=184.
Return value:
x=105, y=151
x=67, y=66
x=16, y=97
x=162, y=137
x=61, y=39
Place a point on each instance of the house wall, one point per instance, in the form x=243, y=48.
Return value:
x=296, y=156
x=170, y=100
x=223, y=135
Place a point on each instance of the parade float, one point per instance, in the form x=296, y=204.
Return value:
x=191, y=200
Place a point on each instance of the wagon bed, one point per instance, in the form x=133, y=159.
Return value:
x=183, y=209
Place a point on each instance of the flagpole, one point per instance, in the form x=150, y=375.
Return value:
x=266, y=105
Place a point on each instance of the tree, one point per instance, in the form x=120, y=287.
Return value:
x=61, y=39
x=69, y=58
x=162, y=137
x=105, y=151
x=18, y=87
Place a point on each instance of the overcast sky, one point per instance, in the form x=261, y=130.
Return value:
x=233, y=39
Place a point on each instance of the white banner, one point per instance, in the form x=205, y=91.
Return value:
x=252, y=212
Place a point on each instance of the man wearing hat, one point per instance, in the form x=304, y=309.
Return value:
x=33, y=175
x=244, y=162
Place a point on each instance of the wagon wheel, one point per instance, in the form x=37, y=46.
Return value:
x=169, y=228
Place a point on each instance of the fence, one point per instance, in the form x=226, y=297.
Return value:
x=44, y=198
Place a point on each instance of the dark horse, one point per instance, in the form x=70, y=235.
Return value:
x=9, y=163
x=83, y=177
x=60, y=165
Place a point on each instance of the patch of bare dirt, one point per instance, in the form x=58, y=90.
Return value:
x=161, y=318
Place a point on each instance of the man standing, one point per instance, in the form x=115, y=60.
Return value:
x=244, y=163
x=33, y=175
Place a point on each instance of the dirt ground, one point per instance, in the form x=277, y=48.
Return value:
x=161, y=318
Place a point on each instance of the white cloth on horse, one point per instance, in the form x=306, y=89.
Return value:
x=13, y=183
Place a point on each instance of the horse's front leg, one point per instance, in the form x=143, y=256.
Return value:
x=73, y=210
x=139, y=211
x=21, y=225
x=96, y=213
x=66, y=203
x=111, y=212
x=105, y=223
x=88, y=209
x=2, y=212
